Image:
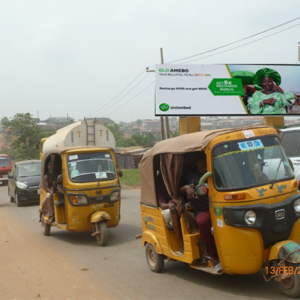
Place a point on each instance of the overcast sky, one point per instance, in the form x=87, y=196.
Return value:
x=60, y=57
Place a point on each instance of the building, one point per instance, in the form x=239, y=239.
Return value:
x=59, y=120
x=105, y=121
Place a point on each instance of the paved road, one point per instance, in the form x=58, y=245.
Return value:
x=121, y=266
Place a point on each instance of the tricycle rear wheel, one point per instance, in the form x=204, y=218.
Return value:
x=291, y=285
x=155, y=260
x=45, y=226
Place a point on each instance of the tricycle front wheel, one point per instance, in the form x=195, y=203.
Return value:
x=101, y=229
x=291, y=285
x=155, y=260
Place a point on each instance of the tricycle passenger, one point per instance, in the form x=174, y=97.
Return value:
x=47, y=207
x=168, y=206
x=190, y=179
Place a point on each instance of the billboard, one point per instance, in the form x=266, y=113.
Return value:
x=231, y=90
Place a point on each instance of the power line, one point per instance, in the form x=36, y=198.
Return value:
x=131, y=99
x=125, y=94
x=119, y=93
x=241, y=45
x=233, y=42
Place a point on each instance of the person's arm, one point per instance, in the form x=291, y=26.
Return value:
x=288, y=98
x=254, y=104
x=270, y=101
x=278, y=89
x=164, y=205
x=46, y=183
x=189, y=191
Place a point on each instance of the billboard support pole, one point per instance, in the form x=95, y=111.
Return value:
x=277, y=122
x=166, y=118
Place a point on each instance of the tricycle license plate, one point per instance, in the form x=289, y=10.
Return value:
x=280, y=214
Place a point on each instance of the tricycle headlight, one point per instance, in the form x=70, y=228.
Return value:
x=78, y=199
x=250, y=217
x=297, y=205
x=115, y=196
x=21, y=185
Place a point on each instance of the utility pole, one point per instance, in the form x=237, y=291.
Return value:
x=166, y=118
x=162, y=129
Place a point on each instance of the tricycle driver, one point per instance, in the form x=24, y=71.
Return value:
x=190, y=179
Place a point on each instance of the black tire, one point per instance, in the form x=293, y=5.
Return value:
x=291, y=285
x=102, y=238
x=45, y=227
x=17, y=200
x=154, y=260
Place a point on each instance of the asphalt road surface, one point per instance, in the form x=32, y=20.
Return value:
x=69, y=265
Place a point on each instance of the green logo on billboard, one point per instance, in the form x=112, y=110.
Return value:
x=226, y=87
x=164, y=107
x=218, y=210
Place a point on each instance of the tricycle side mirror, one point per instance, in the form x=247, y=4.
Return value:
x=201, y=188
x=120, y=173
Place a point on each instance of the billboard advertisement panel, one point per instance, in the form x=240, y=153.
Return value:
x=233, y=89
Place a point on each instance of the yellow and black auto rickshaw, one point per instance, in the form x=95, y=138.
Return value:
x=254, y=204
x=86, y=190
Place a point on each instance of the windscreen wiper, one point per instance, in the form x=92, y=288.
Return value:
x=273, y=180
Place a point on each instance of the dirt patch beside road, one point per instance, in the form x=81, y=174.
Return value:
x=30, y=269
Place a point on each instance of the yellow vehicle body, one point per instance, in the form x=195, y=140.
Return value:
x=99, y=206
x=242, y=249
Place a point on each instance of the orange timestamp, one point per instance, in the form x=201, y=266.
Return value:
x=290, y=270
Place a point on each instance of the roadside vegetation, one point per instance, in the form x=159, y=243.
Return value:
x=131, y=178
x=22, y=137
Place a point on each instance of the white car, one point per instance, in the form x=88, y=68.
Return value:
x=290, y=137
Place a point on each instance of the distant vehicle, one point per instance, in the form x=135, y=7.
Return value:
x=5, y=168
x=86, y=180
x=23, y=182
x=290, y=137
x=88, y=132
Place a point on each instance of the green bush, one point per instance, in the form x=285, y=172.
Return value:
x=131, y=177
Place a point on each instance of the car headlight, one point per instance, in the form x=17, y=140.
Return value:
x=115, y=196
x=78, y=199
x=21, y=185
x=297, y=205
x=250, y=217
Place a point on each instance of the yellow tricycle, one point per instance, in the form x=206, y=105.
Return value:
x=253, y=200
x=86, y=192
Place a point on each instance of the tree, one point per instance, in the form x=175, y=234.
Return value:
x=127, y=143
x=174, y=134
x=22, y=134
x=4, y=120
x=139, y=139
x=117, y=133
x=139, y=123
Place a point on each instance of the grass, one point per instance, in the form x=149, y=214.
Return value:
x=131, y=177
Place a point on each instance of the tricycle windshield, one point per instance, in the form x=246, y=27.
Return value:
x=252, y=162
x=95, y=166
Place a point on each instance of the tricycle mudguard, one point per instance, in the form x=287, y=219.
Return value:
x=99, y=216
x=150, y=237
x=286, y=250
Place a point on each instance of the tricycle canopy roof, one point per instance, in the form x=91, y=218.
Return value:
x=59, y=151
x=192, y=142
